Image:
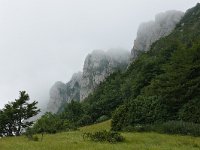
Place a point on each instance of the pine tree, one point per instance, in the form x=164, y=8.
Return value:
x=16, y=115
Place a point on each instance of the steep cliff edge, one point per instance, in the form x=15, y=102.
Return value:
x=97, y=66
x=60, y=93
x=150, y=32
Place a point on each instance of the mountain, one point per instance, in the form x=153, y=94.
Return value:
x=160, y=85
x=151, y=31
x=164, y=82
x=97, y=66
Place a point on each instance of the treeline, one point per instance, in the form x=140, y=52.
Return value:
x=14, y=117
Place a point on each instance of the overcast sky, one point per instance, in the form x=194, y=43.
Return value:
x=43, y=41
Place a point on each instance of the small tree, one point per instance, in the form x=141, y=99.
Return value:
x=49, y=123
x=8, y=120
x=23, y=111
x=73, y=111
x=15, y=115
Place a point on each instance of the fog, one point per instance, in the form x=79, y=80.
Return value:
x=43, y=41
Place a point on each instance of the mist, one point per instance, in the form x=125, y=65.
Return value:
x=45, y=41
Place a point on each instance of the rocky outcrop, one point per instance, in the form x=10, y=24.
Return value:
x=97, y=66
x=60, y=93
x=150, y=32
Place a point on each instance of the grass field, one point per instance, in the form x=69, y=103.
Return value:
x=74, y=141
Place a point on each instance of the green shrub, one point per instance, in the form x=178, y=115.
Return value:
x=104, y=136
x=170, y=127
x=128, y=128
x=51, y=123
x=30, y=135
x=190, y=111
x=180, y=127
x=142, y=110
x=102, y=118
x=35, y=138
x=119, y=121
x=85, y=120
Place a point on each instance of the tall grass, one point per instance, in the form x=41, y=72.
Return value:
x=73, y=141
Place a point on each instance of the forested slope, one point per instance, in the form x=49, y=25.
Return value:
x=160, y=85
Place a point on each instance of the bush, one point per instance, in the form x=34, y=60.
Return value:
x=170, y=127
x=119, y=121
x=141, y=128
x=104, y=136
x=35, y=138
x=142, y=110
x=102, y=118
x=190, y=111
x=50, y=123
x=180, y=127
x=30, y=135
x=85, y=120
x=129, y=128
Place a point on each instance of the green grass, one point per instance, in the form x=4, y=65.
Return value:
x=74, y=141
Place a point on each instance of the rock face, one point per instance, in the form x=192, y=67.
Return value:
x=60, y=93
x=150, y=32
x=97, y=66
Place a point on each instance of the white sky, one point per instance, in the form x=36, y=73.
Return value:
x=43, y=41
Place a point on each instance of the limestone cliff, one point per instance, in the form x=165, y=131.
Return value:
x=150, y=32
x=97, y=66
x=60, y=93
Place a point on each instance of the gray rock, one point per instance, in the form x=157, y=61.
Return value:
x=61, y=93
x=150, y=32
x=58, y=94
x=97, y=66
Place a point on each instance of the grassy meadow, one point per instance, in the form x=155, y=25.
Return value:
x=74, y=141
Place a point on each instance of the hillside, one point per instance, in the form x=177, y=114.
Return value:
x=74, y=141
x=98, y=65
x=161, y=85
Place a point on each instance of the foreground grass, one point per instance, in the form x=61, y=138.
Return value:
x=74, y=141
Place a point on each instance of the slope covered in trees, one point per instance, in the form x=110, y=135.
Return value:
x=162, y=84
x=165, y=82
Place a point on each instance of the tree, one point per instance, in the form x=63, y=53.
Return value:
x=73, y=111
x=8, y=118
x=23, y=111
x=49, y=123
x=15, y=115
